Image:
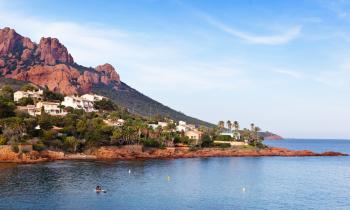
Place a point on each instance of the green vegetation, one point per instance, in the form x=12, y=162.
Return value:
x=79, y=130
x=25, y=101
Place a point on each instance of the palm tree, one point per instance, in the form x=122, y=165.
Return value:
x=236, y=133
x=252, y=127
x=221, y=124
x=229, y=124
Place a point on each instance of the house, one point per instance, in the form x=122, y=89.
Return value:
x=117, y=123
x=231, y=133
x=51, y=108
x=194, y=135
x=92, y=97
x=79, y=103
x=183, y=126
x=163, y=124
x=159, y=124
x=37, y=95
x=30, y=109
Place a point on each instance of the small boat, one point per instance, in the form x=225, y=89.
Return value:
x=99, y=191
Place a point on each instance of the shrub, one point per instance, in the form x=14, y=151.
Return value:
x=3, y=140
x=206, y=141
x=222, y=145
x=39, y=146
x=152, y=143
x=25, y=101
x=14, y=148
x=223, y=138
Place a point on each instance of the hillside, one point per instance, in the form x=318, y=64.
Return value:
x=49, y=64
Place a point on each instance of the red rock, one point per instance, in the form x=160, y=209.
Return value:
x=50, y=64
x=52, y=52
x=108, y=73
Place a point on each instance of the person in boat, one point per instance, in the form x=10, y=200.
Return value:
x=98, y=188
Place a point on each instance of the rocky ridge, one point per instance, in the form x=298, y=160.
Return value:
x=49, y=63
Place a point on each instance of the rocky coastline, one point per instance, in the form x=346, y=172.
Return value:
x=137, y=152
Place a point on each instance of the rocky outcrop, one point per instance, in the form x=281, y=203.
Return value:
x=50, y=64
x=133, y=152
x=125, y=153
x=7, y=155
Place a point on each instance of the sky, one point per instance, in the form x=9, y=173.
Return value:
x=283, y=65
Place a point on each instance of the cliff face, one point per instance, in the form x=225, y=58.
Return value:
x=50, y=64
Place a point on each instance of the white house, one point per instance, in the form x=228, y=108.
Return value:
x=78, y=103
x=117, y=123
x=92, y=97
x=38, y=95
x=51, y=108
x=30, y=109
x=194, y=135
x=183, y=126
x=231, y=133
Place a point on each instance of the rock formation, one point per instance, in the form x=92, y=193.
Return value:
x=50, y=64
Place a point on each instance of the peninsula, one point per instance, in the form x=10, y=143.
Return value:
x=52, y=108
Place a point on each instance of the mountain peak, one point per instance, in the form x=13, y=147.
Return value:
x=53, y=52
x=49, y=64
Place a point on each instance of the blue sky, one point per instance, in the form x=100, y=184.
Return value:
x=283, y=65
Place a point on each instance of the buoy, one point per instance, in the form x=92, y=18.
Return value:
x=168, y=178
x=129, y=171
x=243, y=189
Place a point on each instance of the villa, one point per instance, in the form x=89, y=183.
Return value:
x=159, y=124
x=183, y=127
x=38, y=95
x=79, y=103
x=114, y=123
x=30, y=109
x=51, y=108
x=92, y=97
x=194, y=135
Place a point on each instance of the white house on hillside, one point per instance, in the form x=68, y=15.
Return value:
x=79, y=103
x=183, y=126
x=92, y=97
x=51, y=108
x=28, y=94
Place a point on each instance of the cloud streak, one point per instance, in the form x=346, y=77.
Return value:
x=289, y=73
x=283, y=38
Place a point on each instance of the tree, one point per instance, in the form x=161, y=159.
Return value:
x=71, y=143
x=25, y=101
x=104, y=104
x=3, y=140
x=13, y=129
x=236, y=132
x=6, y=92
x=207, y=141
x=7, y=108
x=221, y=124
x=52, y=96
x=28, y=87
x=229, y=124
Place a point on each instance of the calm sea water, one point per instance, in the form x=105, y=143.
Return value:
x=200, y=183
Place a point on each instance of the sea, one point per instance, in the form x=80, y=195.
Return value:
x=180, y=184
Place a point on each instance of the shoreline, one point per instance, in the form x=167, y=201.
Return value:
x=137, y=152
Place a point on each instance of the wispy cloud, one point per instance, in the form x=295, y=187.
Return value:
x=289, y=73
x=285, y=37
x=282, y=38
